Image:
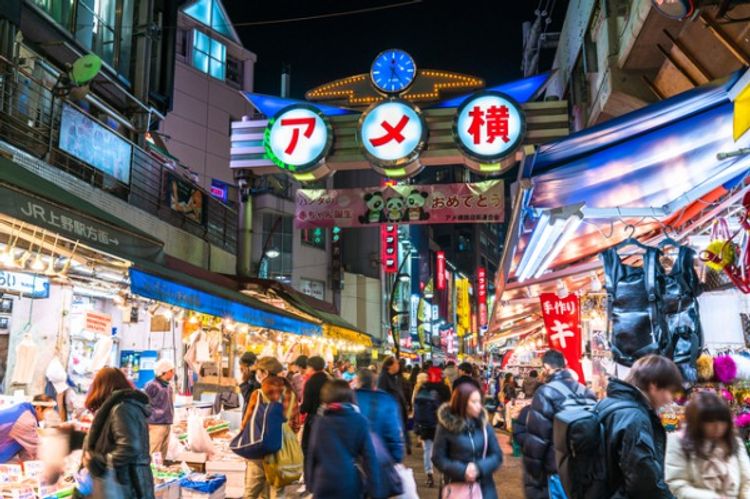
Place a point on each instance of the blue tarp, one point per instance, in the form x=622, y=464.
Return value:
x=649, y=158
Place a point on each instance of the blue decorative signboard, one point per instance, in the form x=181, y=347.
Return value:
x=164, y=290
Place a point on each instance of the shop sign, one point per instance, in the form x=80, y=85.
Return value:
x=389, y=248
x=440, y=270
x=98, y=323
x=297, y=138
x=33, y=286
x=392, y=133
x=185, y=198
x=482, y=295
x=489, y=126
x=180, y=295
x=479, y=202
x=76, y=225
x=562, y=319
x=413, y=317
x=310, y=287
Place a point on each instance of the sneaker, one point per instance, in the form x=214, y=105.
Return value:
x=430, y=480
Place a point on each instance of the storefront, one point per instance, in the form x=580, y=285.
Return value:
x=658, y=193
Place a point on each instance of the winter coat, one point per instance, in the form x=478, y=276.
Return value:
x=394, y=384
x=458, y=442
x=340, y=437
x=247, y=388
x=529, y=386
x=685, y=480
x=162, y=406
x=635, y=446
x=381, y=410
x=427, y=401
x=538, y=451
x=120, y=430
x=519, y=435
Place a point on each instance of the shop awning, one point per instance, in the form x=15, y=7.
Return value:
x=36, y=201
x=199, y=295
x=655, y=160
x=332, y=324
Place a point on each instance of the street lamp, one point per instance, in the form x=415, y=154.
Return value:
x=263, y=264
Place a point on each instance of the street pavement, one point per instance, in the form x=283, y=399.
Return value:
x=508, y=478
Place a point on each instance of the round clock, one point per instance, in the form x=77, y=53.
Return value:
x=393, y=71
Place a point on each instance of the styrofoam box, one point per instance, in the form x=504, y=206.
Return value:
x=169, y=490
x=192, y=457
x=219, y=493
x=234, y=470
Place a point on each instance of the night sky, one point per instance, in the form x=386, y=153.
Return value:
x=477, y=37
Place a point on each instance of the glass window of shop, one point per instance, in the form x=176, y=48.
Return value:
x=104, y=27
x=209, y=55
x=209, y=13
x=278, y=236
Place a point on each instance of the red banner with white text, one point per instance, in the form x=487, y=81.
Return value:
x=562, y=318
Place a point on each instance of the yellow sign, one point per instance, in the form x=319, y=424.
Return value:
x=463, y=307
x=340, y=333
x=741, y=113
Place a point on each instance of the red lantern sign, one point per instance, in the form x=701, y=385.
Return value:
x=440, y=270
x=482, y=295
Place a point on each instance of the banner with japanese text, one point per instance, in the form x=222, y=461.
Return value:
x=562, y=318
x=480, y=202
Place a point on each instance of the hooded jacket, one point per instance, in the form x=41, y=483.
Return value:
x=382, y=411
x=340, y=437
x=538, y=451
x=120, y=430
x=635, y=446
x=460, y=441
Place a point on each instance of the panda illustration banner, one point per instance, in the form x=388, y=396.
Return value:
x=480, y=202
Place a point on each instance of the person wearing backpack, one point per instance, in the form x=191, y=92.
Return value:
x=427, y=400
x=635, y=440
x=538, y=449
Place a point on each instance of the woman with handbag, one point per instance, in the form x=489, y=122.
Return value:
x=116, y=451
x=341, y=461
x=466, y=450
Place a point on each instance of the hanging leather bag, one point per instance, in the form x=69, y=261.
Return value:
x=636, y=326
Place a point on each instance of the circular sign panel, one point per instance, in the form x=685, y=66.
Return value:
x=297, y=138
x=675, y=9
x=489, y=126
x=392, y=133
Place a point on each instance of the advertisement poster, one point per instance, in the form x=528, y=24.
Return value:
x=183, y=197
x=562, y=318
x=95, y=144
x=480, y=202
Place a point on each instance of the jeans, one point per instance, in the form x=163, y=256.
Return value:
x=427, y=455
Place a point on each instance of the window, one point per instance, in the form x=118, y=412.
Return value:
x=210, y=13
x=277, y=233
x=315, y=238
x=209, y=55
x=235, y=69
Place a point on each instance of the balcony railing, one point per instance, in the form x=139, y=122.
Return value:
x=30, y=120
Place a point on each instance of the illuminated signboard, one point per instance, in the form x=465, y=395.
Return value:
x=298, y=138
x=482, y=295
x=440, y=270
x=489, y=126
x=389, y=248
x=391, y=135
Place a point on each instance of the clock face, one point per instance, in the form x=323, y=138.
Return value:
x=393, y=71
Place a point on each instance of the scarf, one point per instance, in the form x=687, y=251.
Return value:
x=715, y=469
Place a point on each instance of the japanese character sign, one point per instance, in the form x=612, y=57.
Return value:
x=562, y=319
x=392, y=133
x=489, y=126
x=297, y=138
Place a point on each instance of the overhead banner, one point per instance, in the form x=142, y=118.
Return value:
x=562, y=318
x=480, y=202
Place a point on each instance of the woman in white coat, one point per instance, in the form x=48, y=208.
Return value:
x=707, y=460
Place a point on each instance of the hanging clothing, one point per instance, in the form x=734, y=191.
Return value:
x=26, y=357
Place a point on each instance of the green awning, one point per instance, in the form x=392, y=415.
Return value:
x=37, y=201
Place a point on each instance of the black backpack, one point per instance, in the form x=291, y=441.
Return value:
x=426, y=404
x=580, y=448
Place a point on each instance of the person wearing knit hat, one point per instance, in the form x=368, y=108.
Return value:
x=160, y=394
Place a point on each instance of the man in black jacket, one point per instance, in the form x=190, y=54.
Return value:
x=635, y=437
x=465, y=375
x=249, y=383
x=538, y=451
x=311, y=396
